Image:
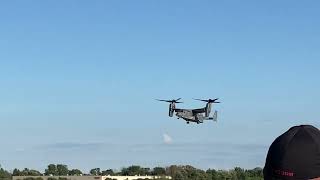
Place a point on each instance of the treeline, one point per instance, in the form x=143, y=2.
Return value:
x=176, y=172
x=4, y=175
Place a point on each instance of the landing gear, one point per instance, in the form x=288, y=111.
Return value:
x=197, y=122
x=188, y=122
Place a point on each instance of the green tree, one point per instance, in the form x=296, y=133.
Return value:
x=95, y=171
x=75, y=172
x=33, y=172
x=171, y=170
x=131, y=171
x=212, y=174
x=223, y=175
x=240, y=173
x=158, y=171
x=107, y=172
x=62, y=170
x=4, y=175
x=16, y=172
x=52, y=170
x=135, y=170
x=254, y=174
x=145, y=171
x=25, y=172
x=176, y=172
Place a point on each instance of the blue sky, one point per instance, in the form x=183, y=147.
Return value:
x=79, y=79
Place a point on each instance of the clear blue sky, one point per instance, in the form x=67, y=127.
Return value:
x=79, y=78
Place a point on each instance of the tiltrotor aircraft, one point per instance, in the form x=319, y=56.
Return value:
x=193, y=115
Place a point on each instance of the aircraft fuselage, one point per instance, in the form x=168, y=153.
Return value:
x=188, y=116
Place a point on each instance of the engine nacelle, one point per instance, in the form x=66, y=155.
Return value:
x=208, y=109
x=172, y=106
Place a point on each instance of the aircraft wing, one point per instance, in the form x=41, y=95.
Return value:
x=178, y=110
x=196, y=111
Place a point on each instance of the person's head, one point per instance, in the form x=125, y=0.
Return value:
x=294, y=155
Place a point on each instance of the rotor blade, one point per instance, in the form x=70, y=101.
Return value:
x=170, y=101
x=209, y=100
x=201, y=100
x=163, y=100
x=178, y=99
x=212, y=100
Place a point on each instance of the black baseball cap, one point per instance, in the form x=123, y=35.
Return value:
x=294, y=155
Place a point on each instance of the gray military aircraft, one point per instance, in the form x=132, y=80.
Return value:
x=193, y=115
